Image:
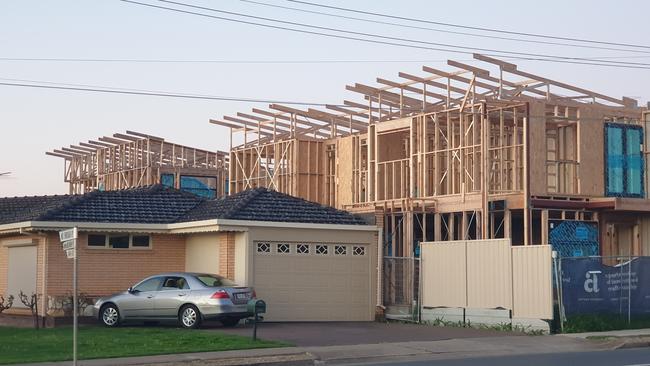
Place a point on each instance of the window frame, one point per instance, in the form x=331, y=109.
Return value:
x=107, y=237
x=624, y=128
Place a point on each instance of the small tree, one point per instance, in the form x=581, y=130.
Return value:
x=6, y=303
x=32, y=303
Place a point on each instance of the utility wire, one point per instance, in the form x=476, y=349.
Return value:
x=375, y=21
x=391, y=40
x=50, y=85
x=471, y=27
x=255, y=62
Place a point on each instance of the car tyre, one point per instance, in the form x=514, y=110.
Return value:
x=110, y=315
x=229, y=322
x=189, y=317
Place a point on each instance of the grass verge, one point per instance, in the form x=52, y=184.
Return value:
x=20, y=345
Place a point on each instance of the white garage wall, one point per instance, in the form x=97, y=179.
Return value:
x=202, y=253
x=22, y=271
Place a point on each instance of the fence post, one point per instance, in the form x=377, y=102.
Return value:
x=558, y=279
x=629, y=290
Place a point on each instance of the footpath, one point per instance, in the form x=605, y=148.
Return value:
x=400, y=351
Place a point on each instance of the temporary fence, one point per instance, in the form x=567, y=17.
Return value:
x=488, y=274
x=604, y=285
x=401, y=282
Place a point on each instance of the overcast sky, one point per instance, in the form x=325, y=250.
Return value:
x=33, y=121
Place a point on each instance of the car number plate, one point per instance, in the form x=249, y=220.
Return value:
x=242, y=296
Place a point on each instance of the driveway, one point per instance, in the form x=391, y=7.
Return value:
x=351, y=333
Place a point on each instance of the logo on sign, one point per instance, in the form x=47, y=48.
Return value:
x=591, y=282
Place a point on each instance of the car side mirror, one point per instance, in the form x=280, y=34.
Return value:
x=130, y=290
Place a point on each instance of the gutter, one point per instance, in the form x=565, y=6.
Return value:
x=174, y=228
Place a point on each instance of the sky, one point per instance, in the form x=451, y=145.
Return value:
x=33, y=121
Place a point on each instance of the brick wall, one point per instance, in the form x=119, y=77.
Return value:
x=227, y=255
x=107, y=271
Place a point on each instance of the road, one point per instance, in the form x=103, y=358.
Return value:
x=623, y=357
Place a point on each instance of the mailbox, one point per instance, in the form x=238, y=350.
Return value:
x=257, y=306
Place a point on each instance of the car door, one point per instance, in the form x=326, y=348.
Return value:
x=139, y=302
x=173, y=293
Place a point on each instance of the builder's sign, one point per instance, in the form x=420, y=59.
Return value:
x=591, y=287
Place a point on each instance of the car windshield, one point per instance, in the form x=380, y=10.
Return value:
x=215, y=281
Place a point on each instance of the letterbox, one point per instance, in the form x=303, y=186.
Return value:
x=257, y=306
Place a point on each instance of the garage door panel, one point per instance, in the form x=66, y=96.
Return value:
x=315, y=287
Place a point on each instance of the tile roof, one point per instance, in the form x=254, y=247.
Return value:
x=161, y=205
x=261, y=204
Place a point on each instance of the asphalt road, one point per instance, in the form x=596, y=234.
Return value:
x=623, y=357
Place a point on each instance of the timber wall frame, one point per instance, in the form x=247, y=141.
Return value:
x=135, y=159
x=471, y=146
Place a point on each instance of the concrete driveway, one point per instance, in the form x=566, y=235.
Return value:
x=352, y=333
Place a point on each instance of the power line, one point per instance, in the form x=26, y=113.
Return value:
x=530, y=56
x=57, y=86
x=374, y=21
x=255, y=62
x=471, y=27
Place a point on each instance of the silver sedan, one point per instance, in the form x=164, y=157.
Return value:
x=188, y=297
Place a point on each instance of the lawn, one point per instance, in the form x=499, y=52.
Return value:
x=21, y=345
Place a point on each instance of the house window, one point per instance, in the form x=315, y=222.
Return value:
x=340, y=250
x=358, y=250
x=119, y=241
x=321, y=249
x=302, y=248
x=263, y=248
x=283, y=249
x=623, y=160
x=200, y=186
x=167, y=180
x=96, y=240
x=140, y=241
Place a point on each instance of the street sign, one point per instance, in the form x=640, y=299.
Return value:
x=69, y=234
x=70, y=244
x=68, y=240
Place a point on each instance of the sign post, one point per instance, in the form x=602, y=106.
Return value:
x=68, y=240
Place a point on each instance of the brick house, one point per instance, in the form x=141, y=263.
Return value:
x=309, y=262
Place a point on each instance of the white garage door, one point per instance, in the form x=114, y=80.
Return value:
x=314, y=282
x=22, y=272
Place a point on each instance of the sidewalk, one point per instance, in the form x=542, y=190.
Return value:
x=629, y=338
x=339, y=355
x=612, y=333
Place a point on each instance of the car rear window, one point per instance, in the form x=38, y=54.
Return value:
x=215, y=281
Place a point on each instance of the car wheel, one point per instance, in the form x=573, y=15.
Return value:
x=189, y=317
x=230, y=322
x=110, y=316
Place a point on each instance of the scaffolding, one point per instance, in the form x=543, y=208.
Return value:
x=135, y=159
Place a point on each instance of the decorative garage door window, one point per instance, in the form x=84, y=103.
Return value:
x=263, y=248
x=302, y=248
x=340, y=250
x=283, y=248
x=317, y=249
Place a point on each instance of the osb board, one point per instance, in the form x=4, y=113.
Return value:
x=391, y=146
x=537, y=149
x=344, y=178
x=591, y=151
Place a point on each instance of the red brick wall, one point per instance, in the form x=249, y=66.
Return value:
x=106, y=271
x=227, y=255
